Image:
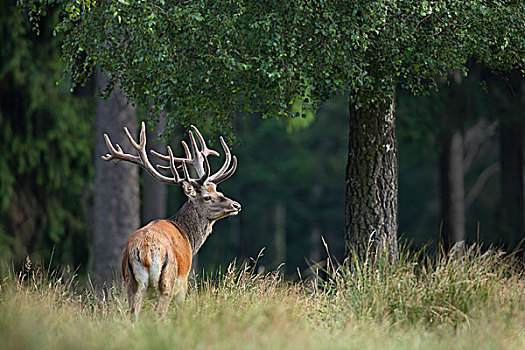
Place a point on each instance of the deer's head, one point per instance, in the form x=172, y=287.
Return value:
x=201, y=188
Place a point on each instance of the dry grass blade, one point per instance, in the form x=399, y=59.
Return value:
x=422, y=303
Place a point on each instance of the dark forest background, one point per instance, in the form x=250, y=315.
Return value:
x=460, y=166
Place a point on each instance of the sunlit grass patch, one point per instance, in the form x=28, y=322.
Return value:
x=477, y=302
x=420, y=290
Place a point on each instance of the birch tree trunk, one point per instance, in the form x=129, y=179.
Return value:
x=452, y=190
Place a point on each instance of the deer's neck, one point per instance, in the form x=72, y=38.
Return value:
x=195, y=226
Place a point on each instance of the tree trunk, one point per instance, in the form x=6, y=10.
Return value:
x=154, y=193
x=116, y=186
x=452, y=190
x=371, y=181
x=512, y=213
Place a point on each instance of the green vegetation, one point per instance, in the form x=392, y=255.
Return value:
x=476, y=302
x=46, y=138
x=202, y=60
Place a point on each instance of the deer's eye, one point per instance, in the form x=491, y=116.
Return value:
x=207, y=198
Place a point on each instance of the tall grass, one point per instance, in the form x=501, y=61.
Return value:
x=476, y=301
x=418, y=290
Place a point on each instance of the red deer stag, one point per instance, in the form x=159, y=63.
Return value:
x=159, y=254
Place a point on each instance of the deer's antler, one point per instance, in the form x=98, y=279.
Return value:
x=117, y=154
x=196, y=157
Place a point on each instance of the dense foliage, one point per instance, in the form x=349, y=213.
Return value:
x=46, y=140
x=201, y=59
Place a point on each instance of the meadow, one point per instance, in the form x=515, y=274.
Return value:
x=476, y=301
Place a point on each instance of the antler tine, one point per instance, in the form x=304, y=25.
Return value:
x=226, y=164
x=117, y=154
x=218, y=179
x=172, y=165
x=167, y=158
x=141, y=159
x=223, y=172
x=196, y=157
x=205, y=150
x=206, y=174
x=136, y=145
x=186, y=149
x=185, y=170
x=199, y=157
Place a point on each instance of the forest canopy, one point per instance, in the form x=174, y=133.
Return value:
x=196, y=59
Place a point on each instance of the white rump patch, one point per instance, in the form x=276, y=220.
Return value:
x=155, y=269
x=140, y=272
x=148, y=277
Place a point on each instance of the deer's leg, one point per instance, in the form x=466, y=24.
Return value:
x=178, y=289
x=131, y=289
x=131, y=299
x=163, y=303
x=167, y=284
x=135, y=296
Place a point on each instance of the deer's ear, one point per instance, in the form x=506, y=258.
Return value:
x=189, y=190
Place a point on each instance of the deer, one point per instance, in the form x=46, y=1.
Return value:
x=159, y=255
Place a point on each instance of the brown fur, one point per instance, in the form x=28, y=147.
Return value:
x=166, y=237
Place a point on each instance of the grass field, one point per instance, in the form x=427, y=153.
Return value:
x=476, y=302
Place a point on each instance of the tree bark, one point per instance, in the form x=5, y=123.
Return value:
x=371, y=181
x=154, y=193
x=116, y=212
x=452, y=190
